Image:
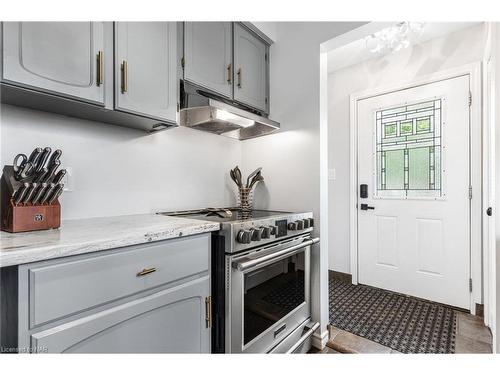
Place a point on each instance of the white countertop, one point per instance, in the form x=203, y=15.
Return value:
x=95, y=234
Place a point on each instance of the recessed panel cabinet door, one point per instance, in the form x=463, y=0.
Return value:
x=250, y=68
x=208, y=55
x=169, y=321
x=145, y=69
x=65, y=58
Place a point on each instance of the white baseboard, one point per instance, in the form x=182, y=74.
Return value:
x=319, y=340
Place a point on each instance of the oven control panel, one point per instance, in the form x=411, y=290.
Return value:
x=249, y=234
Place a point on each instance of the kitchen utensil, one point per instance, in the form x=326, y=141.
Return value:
x=52, y=170
x=18, y=165
x=39, y=193
x=258, y=177
x=54, y=157
x=19, y=195
x=56, y=193
x=40, y=175
x=59, y=176
x=250, y=176
x=43, y=159
x=35, y=155
x=26, y=171
x=237, y=175
x=231, y=173
x=47, y=193
x=29, y=194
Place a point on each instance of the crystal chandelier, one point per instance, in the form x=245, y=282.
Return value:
x=394, y=38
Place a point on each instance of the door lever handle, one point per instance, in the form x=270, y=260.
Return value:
x=365, y=207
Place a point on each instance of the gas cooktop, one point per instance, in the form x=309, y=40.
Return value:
x=226, y=215
x=243, y=229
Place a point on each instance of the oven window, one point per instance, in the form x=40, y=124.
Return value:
x=271, y=292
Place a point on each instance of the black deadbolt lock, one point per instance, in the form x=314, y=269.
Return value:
x=363, y=191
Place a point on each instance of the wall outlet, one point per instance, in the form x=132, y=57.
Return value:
x=331, y=174
x=69, y=179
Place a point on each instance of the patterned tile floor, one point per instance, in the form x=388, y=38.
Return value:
x=472, y=336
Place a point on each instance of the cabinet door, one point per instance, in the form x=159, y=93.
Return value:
x=65, y=58
x=250, y=68
x=208, y=54
x=145, y=69
x=170, y=321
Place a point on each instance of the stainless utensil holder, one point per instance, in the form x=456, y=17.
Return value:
x=245, y=196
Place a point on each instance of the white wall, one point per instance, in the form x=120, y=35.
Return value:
x=290, y=158
x=453, y=50
x=122, y=171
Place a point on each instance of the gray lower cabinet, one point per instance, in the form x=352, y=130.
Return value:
x=65, y=58
x=146, y=69
x=208, y=55
x=170, y=321
x=250, y=68
x=150, y=298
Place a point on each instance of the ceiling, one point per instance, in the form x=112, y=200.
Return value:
x=356, y=52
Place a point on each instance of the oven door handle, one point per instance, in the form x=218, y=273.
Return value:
x=243, y=266
x=309, y=331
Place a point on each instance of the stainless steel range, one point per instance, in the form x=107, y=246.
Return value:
x=260, y=280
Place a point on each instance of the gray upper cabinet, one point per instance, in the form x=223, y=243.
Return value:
x=250, y=68
x=208, y=56
x=65, y=58
x=170, y=321
x=146, y=69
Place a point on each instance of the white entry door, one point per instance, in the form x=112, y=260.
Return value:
x=414, y=224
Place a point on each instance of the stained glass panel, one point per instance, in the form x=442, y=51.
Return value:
x=408, y=141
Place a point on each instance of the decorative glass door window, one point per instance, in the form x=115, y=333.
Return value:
x=408, y=144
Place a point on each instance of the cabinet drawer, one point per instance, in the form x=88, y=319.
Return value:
x=64, y=288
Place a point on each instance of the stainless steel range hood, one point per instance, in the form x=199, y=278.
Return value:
x=205, y=111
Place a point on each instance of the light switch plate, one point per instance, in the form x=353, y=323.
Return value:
x=69, y=179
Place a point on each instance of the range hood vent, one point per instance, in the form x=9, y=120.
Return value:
x=205, y=111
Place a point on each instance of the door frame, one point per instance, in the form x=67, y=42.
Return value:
x=472, y=70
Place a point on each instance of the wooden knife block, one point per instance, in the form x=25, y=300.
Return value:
x=25, y=218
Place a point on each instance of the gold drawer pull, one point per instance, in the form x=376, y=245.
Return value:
x=100, y=68
x=124, y=76
x=229, y=73
x=146, y=271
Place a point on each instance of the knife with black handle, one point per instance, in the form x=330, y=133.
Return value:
x=35, y=155
x=57, y=192
x=20, y=193
x=43, y=159
x=39, y=193
x=40, y=176
x=52, y=170
x=47, y=193
x=30, y=192
x=59, y=176
x=56, y=155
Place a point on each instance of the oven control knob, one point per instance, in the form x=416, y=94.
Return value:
x=311, y=222
x=256, y=233
x=266, y=232
x=292, y=226
x=300, y=225
x=244, y=236
x=306, y=223
x=273, y=230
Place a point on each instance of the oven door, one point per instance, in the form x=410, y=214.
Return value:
x=270, y=295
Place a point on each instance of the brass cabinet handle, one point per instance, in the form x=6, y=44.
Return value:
x=100, y=68
x=146, y=271
x=229, y=70
x=208, y=311
x=239, y=78
x=124, y=76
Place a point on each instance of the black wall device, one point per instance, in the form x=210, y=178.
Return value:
x=363, y=191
